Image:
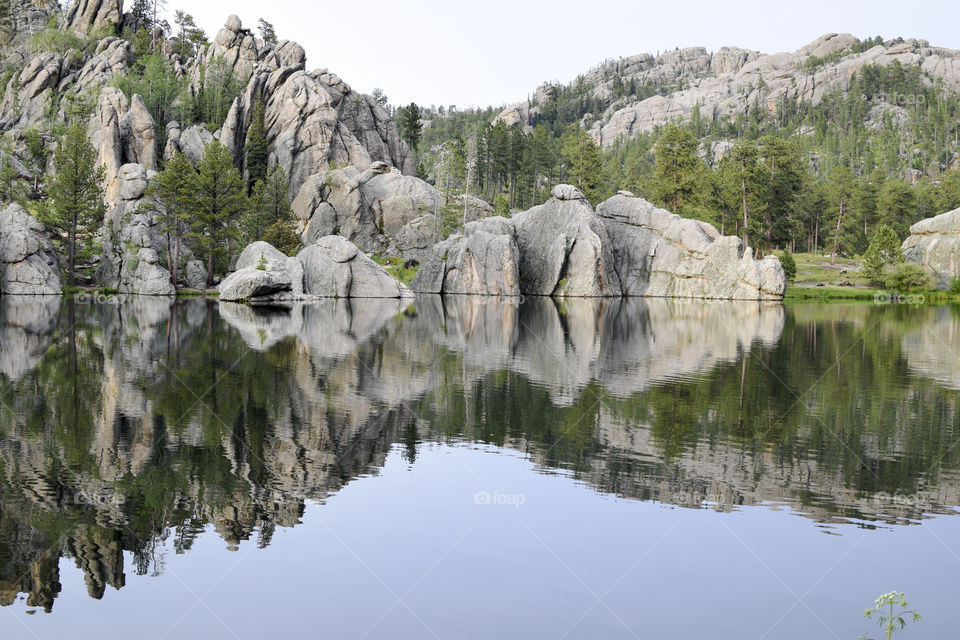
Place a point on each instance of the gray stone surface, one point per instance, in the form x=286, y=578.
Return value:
x=628, y=247
x=373, y=208
x=28, y=264
x=564, y=250
x=131, y=243
x=730, y=80
x=658, y=253
x=935, y=244
x=332, y=267
x=93, y=17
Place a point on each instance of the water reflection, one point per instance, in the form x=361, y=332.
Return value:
x=134, y=422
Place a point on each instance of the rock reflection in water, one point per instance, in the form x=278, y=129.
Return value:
x=137, y=420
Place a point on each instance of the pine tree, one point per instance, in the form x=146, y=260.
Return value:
x=745, y=184
x=76, y=195
x=258, y=151
x=270, y=217
x=219, y=199
x=677, y=169
x=582, y=161
x=411, y=127
x=171, y=197
x=840, y=190
x=897, y=206
x=884, y=250
x=267, y=32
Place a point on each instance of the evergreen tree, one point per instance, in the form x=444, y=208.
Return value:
x=884, y=250
x=267, y=32
x=270, y=217
x=170, y=196
x=840, y=190
x=453, y=186
x=257, y=149
x=582, y=161
x=218, y=201
x=677, y=170
x=744, y=184
x=76, y=194
x=897, y=206
x=411, y=127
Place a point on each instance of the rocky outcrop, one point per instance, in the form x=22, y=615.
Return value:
x=131, y=243
x=123, y=132
x=313, y=119
x=483, y=260
x=27, y=95
x=935, y=244
x=730, y=81
x=627, y=248
x=564, y=250
x=191, y=142
x=371, y=208
x=94, y=17
x=658, y=253
x=112, y=58
x=28, y=264
x=28, y=17
x=331, y=267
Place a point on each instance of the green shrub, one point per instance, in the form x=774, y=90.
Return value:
x=908, y=277
x=955, y=285
x=789, y=264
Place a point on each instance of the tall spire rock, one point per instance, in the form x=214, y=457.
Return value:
x=91, y=17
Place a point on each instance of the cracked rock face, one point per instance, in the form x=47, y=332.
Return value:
x=370, y=207
x=28, y=264
x=332, y=267
x=93, y=17
x=130, y=260
x=730, y=80
x=628, y=247
x=935, y=244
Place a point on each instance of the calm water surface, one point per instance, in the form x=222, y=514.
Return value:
x=471, y=468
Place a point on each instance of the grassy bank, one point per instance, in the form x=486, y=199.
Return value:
x=819, y=280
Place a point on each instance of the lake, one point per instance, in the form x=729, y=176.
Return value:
x=464, y=467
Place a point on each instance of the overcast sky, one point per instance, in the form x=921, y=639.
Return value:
x=498, y=51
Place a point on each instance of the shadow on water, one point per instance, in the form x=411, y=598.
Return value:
x=132, y=422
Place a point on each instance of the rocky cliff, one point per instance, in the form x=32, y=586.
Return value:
x=935, y=244
x=313, y=121
x=627, y=247
x=731, y=81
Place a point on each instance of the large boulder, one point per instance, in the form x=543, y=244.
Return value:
x=484, y=259
x=935, y=244
x=564, y=250
x=628, y=247
x=28, y=264
x=111, y=59
x=658, y=253
x=27, y=96
x=313, y=119
x=371, y=207
x=332, y=267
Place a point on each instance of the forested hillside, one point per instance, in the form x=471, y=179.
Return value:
x=809, y=151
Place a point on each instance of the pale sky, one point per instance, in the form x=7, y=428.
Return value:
x=498, y=51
